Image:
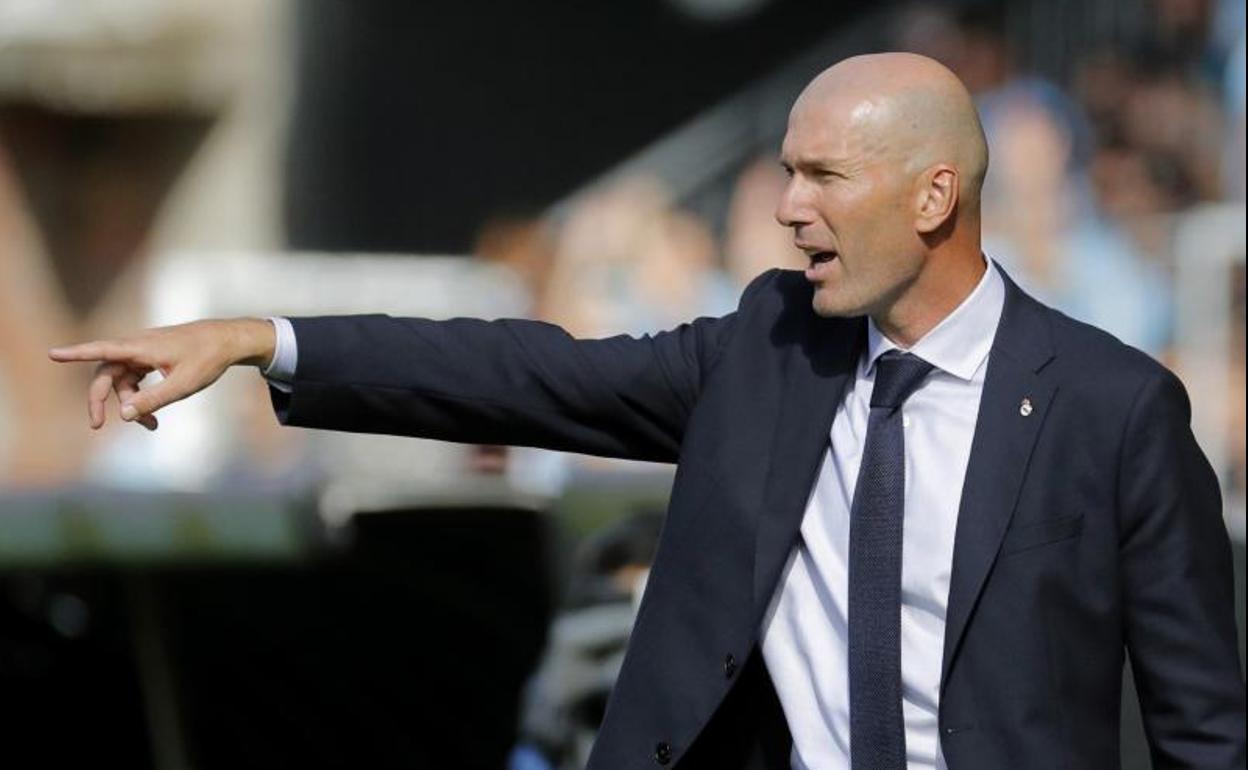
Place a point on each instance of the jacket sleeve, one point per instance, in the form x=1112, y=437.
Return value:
x=502, y=382
x=1178, y=587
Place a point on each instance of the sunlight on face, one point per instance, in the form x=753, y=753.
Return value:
x=849, y=201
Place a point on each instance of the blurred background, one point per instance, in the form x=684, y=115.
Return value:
x=228, y=593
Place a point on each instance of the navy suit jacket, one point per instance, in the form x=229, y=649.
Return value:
x=1089, y=528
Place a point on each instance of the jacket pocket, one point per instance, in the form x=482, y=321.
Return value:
x=1040, y=533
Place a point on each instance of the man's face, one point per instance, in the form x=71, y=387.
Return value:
x=849, y=201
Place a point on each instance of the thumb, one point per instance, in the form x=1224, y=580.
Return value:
x=152, y=398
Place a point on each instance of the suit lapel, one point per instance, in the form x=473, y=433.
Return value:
x=1012, y=410
x=817, y=373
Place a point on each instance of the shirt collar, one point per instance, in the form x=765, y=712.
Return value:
x=961, y=341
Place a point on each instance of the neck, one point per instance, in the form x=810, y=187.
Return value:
x=935, y=293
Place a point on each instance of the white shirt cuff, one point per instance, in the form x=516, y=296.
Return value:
x=281, y=370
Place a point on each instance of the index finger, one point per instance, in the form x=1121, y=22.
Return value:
x=98, y=350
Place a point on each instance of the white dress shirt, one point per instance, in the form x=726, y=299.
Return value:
x=805, y=630
x=805, y=643
x=281, y=370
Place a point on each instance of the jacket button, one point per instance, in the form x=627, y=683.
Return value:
x=663, y=752
x=730, y=665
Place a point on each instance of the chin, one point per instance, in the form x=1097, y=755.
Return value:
x=827, y=304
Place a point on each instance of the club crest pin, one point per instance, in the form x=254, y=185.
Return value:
x=1025, y=408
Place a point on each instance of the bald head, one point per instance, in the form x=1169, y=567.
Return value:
x=886, y=159
x=902, y=107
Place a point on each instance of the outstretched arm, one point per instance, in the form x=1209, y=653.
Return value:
x=504, y=382
x=501, y=382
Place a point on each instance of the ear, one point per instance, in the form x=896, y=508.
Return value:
x=937, y=197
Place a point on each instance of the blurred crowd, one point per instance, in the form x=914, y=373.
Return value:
x=1091, y=182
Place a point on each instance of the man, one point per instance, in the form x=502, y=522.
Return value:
x=1057, y=510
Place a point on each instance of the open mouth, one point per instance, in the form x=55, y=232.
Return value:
x=819, y=257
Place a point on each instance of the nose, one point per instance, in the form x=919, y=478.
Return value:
x=795, y=207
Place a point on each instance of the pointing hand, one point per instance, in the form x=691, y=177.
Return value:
x=190, y=356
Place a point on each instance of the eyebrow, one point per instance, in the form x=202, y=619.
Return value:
x=820, y=164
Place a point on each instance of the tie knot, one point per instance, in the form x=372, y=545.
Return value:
x=897, y=375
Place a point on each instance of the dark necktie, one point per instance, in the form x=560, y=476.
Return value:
x=877, y=738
